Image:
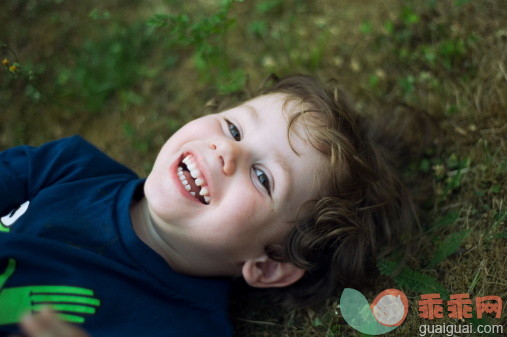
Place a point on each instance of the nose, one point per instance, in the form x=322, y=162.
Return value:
x=228, y=153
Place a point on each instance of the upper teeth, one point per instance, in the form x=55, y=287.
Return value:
x=189, y=160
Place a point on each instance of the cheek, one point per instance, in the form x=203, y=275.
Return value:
x=241, y=210
x=186, y=133
x=253, y=223
x=156, y=192
x=242, y=213
x=196, y=129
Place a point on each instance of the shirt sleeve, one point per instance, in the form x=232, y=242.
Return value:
x=14, y=164
x=25, y=170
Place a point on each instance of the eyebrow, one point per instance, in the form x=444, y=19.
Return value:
x=254, y=115
x=286, y=169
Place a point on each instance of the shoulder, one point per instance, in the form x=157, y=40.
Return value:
x=60, y=148
x=70, y=146
x=79, y=154
x=70, y=159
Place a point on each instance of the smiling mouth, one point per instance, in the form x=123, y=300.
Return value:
x=192, y=179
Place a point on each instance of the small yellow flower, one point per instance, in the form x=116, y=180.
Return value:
x=5, y=62
x=13, y=68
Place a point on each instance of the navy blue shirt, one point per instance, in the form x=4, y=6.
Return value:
x=66, y=240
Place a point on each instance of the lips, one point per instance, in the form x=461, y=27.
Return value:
x=193, y=180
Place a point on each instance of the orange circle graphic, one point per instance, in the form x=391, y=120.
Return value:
x=390, y=307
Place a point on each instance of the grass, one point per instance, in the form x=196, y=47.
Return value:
x=126, y=76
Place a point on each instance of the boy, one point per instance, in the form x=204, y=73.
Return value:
x=283, y=190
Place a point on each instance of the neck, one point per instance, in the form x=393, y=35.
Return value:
x=143, y=225
x=184, y=256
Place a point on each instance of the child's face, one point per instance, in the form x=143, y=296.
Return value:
x=255, y=182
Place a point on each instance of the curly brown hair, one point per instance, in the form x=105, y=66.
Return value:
x=338, y=237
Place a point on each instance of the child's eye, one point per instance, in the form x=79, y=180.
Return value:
x=233, y=130
x=263, y=179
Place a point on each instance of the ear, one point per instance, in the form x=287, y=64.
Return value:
x=264, y=272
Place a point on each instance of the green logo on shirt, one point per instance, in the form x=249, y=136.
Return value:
x=71, y=303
